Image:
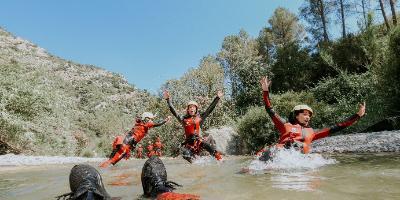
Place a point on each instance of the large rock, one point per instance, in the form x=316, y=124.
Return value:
x=385, y=141
x=388, y=124
x=226, y=140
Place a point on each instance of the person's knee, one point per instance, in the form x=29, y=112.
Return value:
x=209, y=148
x=187, y=154
x=265, y=156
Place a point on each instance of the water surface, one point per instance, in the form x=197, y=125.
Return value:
x=338, y=176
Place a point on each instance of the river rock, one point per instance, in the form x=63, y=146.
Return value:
x=388, y=124
x=226, y=140
x=385, y=141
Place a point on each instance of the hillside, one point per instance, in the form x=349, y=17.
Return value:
x=51, y=106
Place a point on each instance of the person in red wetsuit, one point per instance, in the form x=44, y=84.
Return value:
x=158, y=146
x=297, y=133
x=150, y=150
x=192, y=122
x=123, y=146
x=139, y=151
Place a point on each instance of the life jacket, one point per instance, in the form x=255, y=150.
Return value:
x=195, y=147
x=192, y=126
x=297, y=135
x=140, y=130
x=157, y=145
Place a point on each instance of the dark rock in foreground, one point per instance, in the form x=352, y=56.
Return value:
x=385, y=141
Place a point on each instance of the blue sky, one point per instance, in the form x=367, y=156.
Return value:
x=147, y=41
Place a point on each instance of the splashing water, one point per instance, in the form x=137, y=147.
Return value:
x=290, y=169
x=204, y=160
x=290, y=160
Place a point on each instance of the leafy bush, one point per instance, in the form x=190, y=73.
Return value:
x=9, y=132
x=345, y=89
x=26, y=104
x=256, y=129
x=349, y=54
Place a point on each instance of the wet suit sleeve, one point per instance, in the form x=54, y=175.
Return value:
x=173, y=111
x=158, y=123
x=209, y=109
x=337, y=127
x=276, y=119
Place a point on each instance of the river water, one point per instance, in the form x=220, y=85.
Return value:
x=289, y=176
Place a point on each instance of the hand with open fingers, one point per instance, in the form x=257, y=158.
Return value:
x=265, y=83
x=168, y=119
x=166, y=94
x=361, y=109
x=220, y=94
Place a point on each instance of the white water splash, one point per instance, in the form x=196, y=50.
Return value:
x=290, y=160
x=290, y=169
x=22, y=160
x=205, y=160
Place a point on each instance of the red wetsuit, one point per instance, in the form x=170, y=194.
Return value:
x=150, y=150
x=300, y=135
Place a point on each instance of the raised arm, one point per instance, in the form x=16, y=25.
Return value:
x=276, y=119
x=212, y=106
x=171, y=107
x=340, y=126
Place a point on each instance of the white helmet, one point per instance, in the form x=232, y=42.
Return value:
x=193, y=103
x=147, y=115
x=302, y=107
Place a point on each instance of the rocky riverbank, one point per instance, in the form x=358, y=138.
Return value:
x=385, y=141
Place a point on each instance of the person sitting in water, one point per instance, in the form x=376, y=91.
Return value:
x=158, y=146
x=85, y=183
x=155, y=183
x=297, y=133
x=122, y=147
x=192, y=122
x=139, y=151
x=150, y=150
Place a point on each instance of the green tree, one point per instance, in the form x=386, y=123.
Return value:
x=285, y=28
x=293, y=68
x=290, y=63
x=243, y=68
x=316, y=13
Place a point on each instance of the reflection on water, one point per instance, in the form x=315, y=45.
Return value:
x=299, y=181
x=289, y=176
